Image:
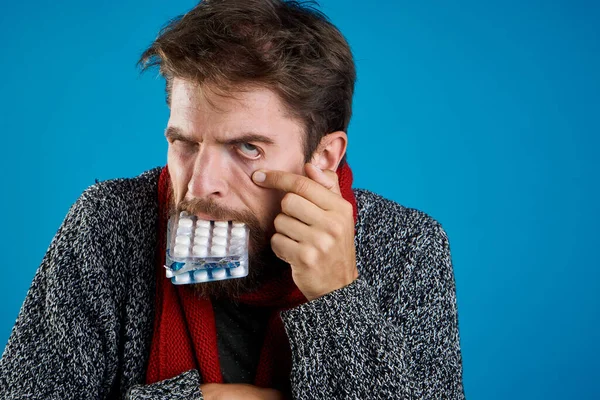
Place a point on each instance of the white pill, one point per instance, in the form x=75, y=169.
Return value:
x=202, y=231
x=184, y=214
x=219, y=273
x=238, y=271
x=239, y=224
x=183, y=240
x=183, y=278
x=218, y=251
x=181, y=250
x=200, y=251
x=222, y=224
x=201, y=275
x=202, y=240
x=219, y=240
x=238, y=232
x=185, y=223
x=203, y=223
x=182, y=230
x=219, y=231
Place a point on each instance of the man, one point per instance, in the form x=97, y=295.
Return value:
x=349, y=295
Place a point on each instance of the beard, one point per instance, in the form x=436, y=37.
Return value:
x=263, y=264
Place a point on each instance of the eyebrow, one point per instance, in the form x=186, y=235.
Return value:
x=175, y=133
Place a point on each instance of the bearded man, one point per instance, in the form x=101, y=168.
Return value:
x=349, y=295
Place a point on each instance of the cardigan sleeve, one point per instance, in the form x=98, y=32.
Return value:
x=350, y=344
x=185, y=386
x=64, y=342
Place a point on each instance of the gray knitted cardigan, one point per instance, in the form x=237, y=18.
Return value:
x=85, y=328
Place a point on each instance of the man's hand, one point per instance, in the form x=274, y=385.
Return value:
x=314, y=231
x=238, y=391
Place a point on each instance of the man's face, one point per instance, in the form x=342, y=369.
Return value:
x=215, y=144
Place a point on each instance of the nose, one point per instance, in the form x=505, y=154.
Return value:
x=208, y=177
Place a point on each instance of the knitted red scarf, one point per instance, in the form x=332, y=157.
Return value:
x=185, y=337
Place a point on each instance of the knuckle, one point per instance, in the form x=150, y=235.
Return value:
x=309, y=256
x=277, y=222
x=275, y=241
x=301, y=185
x=336, y=228
x=274, y=178
x=276, y=250
x=325, y=244
x=287, y=202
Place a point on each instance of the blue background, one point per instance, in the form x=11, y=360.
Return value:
x=483, y=114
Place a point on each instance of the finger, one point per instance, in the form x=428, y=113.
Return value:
x=316, y=174
x=301, y=185
x=284, y=247
x=292, y=228
x=327, y=177
x=300, y=208
x=334, y=176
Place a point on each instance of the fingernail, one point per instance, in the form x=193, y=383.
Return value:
x=259, y=176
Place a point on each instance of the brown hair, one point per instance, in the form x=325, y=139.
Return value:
x=286, y=46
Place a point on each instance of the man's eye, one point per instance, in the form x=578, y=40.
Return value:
x=183, y=144
x=249, y=150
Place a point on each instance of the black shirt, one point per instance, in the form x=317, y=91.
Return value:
x=240, y=336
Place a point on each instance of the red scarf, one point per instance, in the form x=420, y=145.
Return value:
x=185, y=336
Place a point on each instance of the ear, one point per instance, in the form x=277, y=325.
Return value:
x=330, y=151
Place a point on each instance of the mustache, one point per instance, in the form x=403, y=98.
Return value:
x=216, y=211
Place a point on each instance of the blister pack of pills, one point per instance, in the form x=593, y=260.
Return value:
x=204, y=251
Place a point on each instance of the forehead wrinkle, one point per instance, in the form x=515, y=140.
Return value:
x=201, y=96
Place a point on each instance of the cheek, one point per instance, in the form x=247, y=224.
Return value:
x=246, y=190
x=264, y=204
x=180, y=172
